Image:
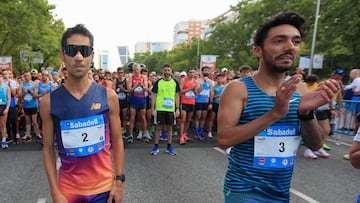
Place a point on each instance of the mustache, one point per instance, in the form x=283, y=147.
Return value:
x=288, y=54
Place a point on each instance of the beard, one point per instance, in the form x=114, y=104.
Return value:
x=167, y=75
x=276, y=68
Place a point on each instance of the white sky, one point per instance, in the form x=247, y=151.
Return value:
x=125, y=22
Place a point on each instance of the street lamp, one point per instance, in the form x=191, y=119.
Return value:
x=314, y=37
x=198, y=52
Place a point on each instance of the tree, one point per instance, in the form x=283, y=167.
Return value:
x=29, y=25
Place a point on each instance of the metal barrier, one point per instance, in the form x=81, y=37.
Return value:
x=347, y=121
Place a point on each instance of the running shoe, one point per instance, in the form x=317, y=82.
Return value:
x=39, y=136
x=4, y=145
x=182, y=140
x=321, y=152
x=154, y=151
x=202, y=137
x=196, y=137
x=26, y=137
x=210, y=136
x=130, y=139
x=170, y=150
x=186, y=137
x=17, y=136
x=347, y=156
x=140, y=136
x=309, y=154
x=147, y=137
x=326, y=147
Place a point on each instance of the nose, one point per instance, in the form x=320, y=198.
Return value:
x=79, y=56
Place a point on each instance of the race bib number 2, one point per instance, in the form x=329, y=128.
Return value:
x=84, y=136
x=276, y=146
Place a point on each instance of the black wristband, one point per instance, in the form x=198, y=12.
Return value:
x=120, y=177
x=307, y=117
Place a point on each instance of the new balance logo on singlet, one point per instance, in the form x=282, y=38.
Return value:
x=95, y=106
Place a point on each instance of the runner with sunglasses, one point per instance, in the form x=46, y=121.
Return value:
x=80, y=115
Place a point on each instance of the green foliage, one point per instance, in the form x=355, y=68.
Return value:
x=337, y=35
x=29, y=25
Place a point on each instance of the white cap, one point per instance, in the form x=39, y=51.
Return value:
x=224, y=69
x=183, y=73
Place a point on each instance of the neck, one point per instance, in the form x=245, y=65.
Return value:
x=269, y=82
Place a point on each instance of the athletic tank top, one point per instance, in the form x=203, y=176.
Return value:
x=189, y=96
x=82, y=134
x=203, y=96
x=138, y=96
x=217, y=92
x=253, y=164
x=44, y=88
x=122, y=96
x=3, y=94
x=29, y=100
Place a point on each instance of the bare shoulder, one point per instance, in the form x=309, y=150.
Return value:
x=111, y=94
x=234, y=88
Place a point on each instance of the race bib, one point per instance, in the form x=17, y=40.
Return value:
x=138, y=90
x=205, y=93
x=28, y=97
x=276, y=146
x=84, y=136
x=122, y=96
x=168, y=103
x=190, y=94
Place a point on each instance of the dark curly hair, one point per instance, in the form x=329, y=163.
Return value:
x=290, y=18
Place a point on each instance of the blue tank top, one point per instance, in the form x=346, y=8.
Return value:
x=203, y=96
x=3, y=94
x=29, y=100
x=247, y=170
x=44, y=88
x=217, y=92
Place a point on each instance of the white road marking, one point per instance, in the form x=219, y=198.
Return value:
x=295, y=192
x=219, y=150
x=337, y=142
x=303, y=196
x=41, y=200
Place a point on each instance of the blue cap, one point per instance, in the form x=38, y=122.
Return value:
x=339, y=72
x=54, y=72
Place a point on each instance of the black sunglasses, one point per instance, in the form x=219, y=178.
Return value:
x=72, y=50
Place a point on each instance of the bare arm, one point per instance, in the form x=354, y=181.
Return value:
x=311, y=131
x=49, y=157
x=116, y=142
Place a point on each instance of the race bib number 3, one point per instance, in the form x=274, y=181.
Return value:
x=276, y=146
x=84, y=136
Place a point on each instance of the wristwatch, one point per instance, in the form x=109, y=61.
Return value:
x=120, y=177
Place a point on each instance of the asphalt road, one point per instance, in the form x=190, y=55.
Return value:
x=194, y=175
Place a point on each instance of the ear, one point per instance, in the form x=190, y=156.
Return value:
x=257, y=50
x=62, y=55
